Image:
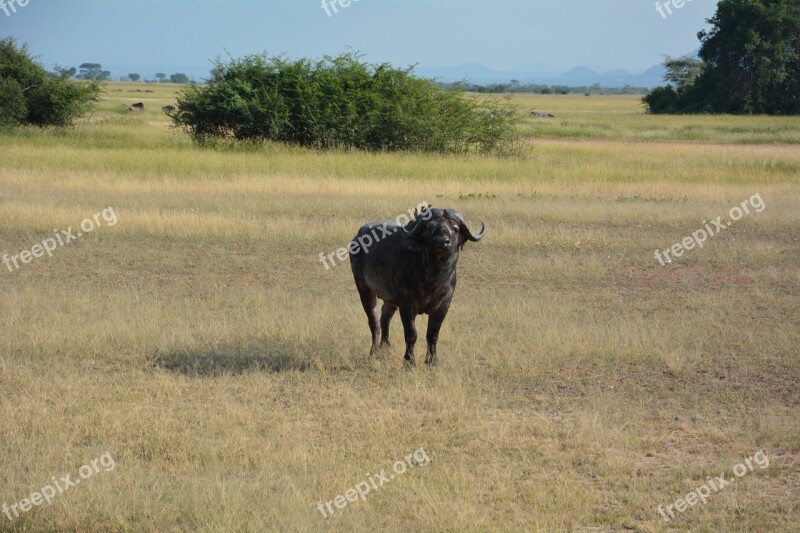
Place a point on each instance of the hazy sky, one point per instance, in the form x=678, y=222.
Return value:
x=500, y=34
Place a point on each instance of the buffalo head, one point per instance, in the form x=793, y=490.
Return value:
x=440, y=232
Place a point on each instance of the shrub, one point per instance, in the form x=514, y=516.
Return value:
x=13, y=107
x=340, y=102
x=31, y=95
x=662, y=100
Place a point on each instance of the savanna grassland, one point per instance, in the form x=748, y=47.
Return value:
x=201, y=343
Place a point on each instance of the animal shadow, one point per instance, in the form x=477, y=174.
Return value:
x=255, y=355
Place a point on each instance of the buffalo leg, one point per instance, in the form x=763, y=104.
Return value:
x=434, y=325
x=410, y=327
x=386, y=317
x=369, y=300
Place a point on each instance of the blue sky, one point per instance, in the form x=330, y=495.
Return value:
x=500, y=34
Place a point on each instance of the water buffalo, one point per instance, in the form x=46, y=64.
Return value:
x=411, y=268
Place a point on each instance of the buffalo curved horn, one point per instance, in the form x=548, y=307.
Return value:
x=412, y=228
x=465, y=228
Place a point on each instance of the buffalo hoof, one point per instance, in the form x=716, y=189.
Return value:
x=409, y=362
x=431, y=360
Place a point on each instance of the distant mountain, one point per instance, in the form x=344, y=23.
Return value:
x=544, y=74
x=615, y=78
x=654, y=75
x=579, y=75
x=480, y=74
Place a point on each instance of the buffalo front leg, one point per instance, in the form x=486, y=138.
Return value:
x=410, y=328
x=434, y=325
x=369, y=300
x=386, y=317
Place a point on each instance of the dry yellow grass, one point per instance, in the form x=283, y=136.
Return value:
x=201, y=342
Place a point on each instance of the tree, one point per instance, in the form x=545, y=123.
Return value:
x=93, y=71
x=179, y=78
x=90, y=71
x=756, y=68
x=31, y=95
x=66, y=73
x=160, y=76
x=751, y=58
x=134, y=77
x=682, y=71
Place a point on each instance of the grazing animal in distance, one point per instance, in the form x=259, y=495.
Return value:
x=168, y=109
x=541, y=114
x=411, y=268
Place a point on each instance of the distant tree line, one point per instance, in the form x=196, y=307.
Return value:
x=749, y=63
x=94, y=71
x=178, y=77
x=340, y=102
x=516, y=87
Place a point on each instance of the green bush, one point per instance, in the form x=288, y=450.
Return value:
x=31, y=95
x=662, y=100
x=340, y=102
x=13, y=107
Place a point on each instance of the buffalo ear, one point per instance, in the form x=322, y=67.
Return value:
x=413, y=243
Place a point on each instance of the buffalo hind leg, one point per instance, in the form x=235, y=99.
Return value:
x=369, y=300
x=434, y=325
x=410, y=328
x=386, y=317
